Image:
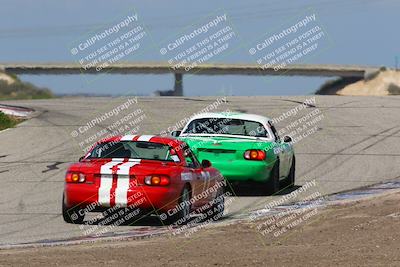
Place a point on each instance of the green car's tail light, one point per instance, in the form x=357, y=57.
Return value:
x=157, y=180
x=75, y=177
x=254, y=154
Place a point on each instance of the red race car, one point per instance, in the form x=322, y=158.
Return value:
x=154, y=174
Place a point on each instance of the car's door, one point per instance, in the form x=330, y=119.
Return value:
x=209, y=179
x=198, y=178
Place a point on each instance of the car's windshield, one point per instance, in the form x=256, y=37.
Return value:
x=134, y=150
x=226, y=126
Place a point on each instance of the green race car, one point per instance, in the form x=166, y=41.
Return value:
x=243, y=147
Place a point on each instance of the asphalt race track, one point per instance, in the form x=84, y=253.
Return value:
x=357, y=143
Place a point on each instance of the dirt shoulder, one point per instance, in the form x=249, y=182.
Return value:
x=381, y=83
x=362, y=233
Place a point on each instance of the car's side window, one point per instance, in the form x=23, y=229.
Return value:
x=190, y=159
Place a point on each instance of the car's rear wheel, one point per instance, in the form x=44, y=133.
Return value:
x=272, y=185
x=71, y=215
x=290, y=180
x=183, y=214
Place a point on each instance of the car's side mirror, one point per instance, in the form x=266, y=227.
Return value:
x=176, y=133
x=81, y=158
x=287, y=139
x=206, y=163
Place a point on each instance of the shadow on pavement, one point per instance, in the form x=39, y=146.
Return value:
x=253, y=189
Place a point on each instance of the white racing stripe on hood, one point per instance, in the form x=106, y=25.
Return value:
x=121, y=192
x=145, y=138
x=106, y=182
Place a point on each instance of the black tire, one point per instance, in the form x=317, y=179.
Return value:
x=290, y=180
x=272, y=185
x=71, y=215
x=183, y=215
x=217, y=207
x=135, y=215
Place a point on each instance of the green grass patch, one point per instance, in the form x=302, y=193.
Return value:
x=7, y=121
x=22, y=90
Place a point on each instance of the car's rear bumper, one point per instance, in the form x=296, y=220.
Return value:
x=144, y=197
x=244, y=170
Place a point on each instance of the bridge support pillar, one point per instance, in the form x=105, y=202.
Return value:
x=178, y=86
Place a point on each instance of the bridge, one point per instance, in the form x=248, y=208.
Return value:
x=315, y=70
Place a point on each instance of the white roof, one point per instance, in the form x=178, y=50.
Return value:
x=233, y=115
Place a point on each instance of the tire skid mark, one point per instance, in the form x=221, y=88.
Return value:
x=52, y=167
x=31, y=190
x=298, y=102
x=348, y=154
x=319, y=164
x=334, y=154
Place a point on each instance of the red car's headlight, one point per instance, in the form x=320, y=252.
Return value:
x=254, y=154
x=75, y=177
x=162, y=180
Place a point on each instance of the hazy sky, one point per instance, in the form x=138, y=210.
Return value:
x=357, y=32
